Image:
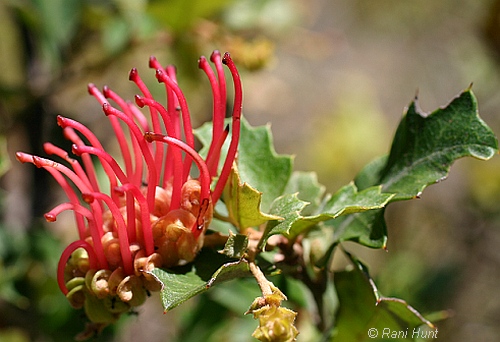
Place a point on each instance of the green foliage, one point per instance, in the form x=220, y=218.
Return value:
x=178, y=15
x=362, y=308
x=260, y=165
x=244, y=207
x=180, y=287
x=264, y=194
x=425, y=146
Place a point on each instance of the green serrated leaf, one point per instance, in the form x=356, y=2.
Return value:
x=290, y=207
x=261, y=177
x=423, y=150
x=260, y=165
x=346, y=201
x=306, y=185
x=229, y=271
x=349, y=200
x=370, y=174
x=364, y=314
x=425, y=146
x=243, y=203
x=235, y=246
x=178, y=288
x=367, y=228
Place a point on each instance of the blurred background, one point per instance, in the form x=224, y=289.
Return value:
x=331, y=77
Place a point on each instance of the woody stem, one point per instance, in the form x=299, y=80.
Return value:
x=262, y=281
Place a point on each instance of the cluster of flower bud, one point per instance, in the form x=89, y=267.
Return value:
x=155, y=214
x=276, y=323
x=106, y=293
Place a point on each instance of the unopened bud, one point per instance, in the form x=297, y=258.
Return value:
x=276, y=324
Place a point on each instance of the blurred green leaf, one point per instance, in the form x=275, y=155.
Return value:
x=306, y=185
x=179, y=15
x=116, y=33
x=56, y=22
x=4, y=156
x=11, y=52
x=14, y=264
x=365, y=315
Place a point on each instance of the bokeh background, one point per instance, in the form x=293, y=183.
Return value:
x=332, y=78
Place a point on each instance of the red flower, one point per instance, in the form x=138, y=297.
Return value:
x=156, y=214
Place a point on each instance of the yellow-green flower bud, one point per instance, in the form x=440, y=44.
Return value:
x=131, y=291
x=99, y=285
x=276, y=324
x=96, y=310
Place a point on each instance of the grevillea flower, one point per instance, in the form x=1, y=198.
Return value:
x=156, y=213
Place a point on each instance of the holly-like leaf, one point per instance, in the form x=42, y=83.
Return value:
x=178, y=288
x=423, y=150
x=235, y=246
x=243, y=203
x=307, y=188
x=365, y=315
x=426, y=145
x=290, y=207
x=346, y=201
x=349, y=200
x=367, y=228
x=260, y=165
x=260, y=177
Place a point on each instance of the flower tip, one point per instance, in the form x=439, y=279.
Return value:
x=106, y=91
x=147, y=137
x=227, y=58
x=160, y=76
x=151, y=136
x=153, y=63
x=91, y=88
x=47, y=147
x=51, y=149
x=24, y=157
x=202, y=61
x=106, y=108
x=132, y=76
x=38, y=162
x=75, y=149
x=139, y=100
x=50, y=217
x=214, y=56
x=61, y=121
x=88, y=198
